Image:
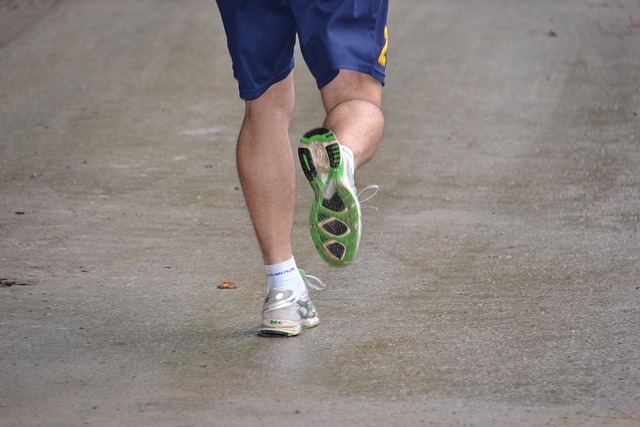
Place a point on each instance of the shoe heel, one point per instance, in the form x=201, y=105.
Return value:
x=319, y=134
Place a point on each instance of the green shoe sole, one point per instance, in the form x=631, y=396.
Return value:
x=334, y=218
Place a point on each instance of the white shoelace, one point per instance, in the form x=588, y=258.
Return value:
x=373, y=189
x=314, y=282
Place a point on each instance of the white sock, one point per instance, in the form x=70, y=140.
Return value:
x=285, y=275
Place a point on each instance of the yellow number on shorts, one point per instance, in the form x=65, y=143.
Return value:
x=382, y=59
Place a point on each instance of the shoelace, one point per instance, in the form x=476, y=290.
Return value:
x=314, y=282
x=372, y=189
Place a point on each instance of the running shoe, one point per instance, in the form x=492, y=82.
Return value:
x=286, y=315
x=335, y=212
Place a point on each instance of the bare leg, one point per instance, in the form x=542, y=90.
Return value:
x=266, y=169
x=353, y=102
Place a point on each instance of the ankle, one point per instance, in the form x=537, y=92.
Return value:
x=285, y=276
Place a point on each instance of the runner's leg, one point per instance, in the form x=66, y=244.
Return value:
x=266, y=169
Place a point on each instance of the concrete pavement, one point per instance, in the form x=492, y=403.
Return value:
x=497, y=282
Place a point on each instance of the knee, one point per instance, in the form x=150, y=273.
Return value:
x=352, y=86
x=276, y=104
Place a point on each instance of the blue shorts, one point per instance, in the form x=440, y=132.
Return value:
x=333, y=34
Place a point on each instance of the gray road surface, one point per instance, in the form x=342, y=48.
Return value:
x=497, y=282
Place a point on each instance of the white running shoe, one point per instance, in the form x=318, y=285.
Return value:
x=286, y=315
